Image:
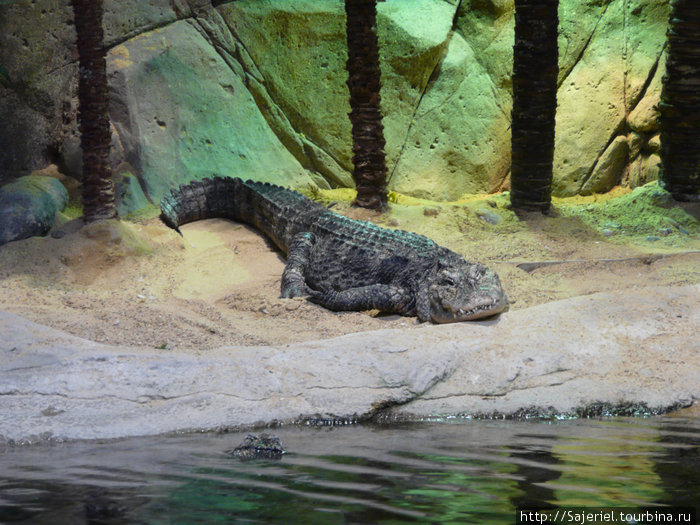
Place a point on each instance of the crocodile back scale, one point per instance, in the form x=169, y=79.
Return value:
x=345, y=264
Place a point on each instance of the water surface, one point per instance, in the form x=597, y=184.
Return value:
x=448, y=472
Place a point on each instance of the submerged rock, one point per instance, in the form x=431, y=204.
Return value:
x=28, y=206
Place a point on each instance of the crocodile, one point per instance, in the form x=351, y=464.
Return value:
x=263, y=446
x=345, y=264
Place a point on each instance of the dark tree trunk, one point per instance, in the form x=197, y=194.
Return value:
x=680, y=103
x=535, y=71
x=364, y=82
x=93, y=112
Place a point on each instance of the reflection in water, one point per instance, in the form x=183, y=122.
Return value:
x=618, y=455
x=679, y=465
x=459, y=472
x=537, y=465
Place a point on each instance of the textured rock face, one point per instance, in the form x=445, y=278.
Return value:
x=185, y=113
x=257, y=89
x=612, y=72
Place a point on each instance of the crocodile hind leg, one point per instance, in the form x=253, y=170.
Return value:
x=383, y=297
x=293, y=280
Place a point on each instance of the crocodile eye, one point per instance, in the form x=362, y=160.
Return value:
x=447, y=281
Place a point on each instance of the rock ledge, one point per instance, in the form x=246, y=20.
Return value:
x=632, y=348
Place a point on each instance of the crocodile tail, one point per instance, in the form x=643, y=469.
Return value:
x=277, y=212
x=201, y=199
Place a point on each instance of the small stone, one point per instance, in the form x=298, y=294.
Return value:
x=489, y=216
x=636, y=142
x=607, y=232
x=652, y=238
x=654, y=144
x=643, y=118
x=28, y=206
x=116, y=322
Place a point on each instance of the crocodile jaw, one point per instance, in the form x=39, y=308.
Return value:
x=467, y=303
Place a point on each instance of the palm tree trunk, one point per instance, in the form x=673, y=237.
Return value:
x=93, y=112
x=535, y=71
x=679, y=121
x=364, y=83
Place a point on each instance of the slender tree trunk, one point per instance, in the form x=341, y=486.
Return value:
x=364, y=82
x=680, y=103
x=535, y=71
x=93, y=112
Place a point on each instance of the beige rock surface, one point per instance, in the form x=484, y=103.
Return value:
x=621, y=348
x=257, y=90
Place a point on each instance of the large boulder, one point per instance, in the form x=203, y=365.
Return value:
x=459, y=139
x=28, y=206
x=182, y=113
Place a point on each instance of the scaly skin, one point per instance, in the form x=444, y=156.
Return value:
x=263, y=446
x=345, y=264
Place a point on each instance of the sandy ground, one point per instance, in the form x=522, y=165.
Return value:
x=142, y=284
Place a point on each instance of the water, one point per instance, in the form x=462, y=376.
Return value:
x=448, y=472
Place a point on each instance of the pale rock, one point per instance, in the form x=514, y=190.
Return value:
x=644, y=170
x=635, y=346
x=608, y=172
x=603, y=86
x=643, y=118
x=654, y=144
x=636, y=143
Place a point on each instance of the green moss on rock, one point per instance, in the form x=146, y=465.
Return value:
x=646, y=211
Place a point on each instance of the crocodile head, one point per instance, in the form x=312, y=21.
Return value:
x=457, y=291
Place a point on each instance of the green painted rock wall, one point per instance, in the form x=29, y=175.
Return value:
x=256, y=88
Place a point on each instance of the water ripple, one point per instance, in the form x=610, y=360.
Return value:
x=457, y=471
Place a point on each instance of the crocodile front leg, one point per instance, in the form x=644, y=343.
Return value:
x=382, y=297
x=293, y=280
